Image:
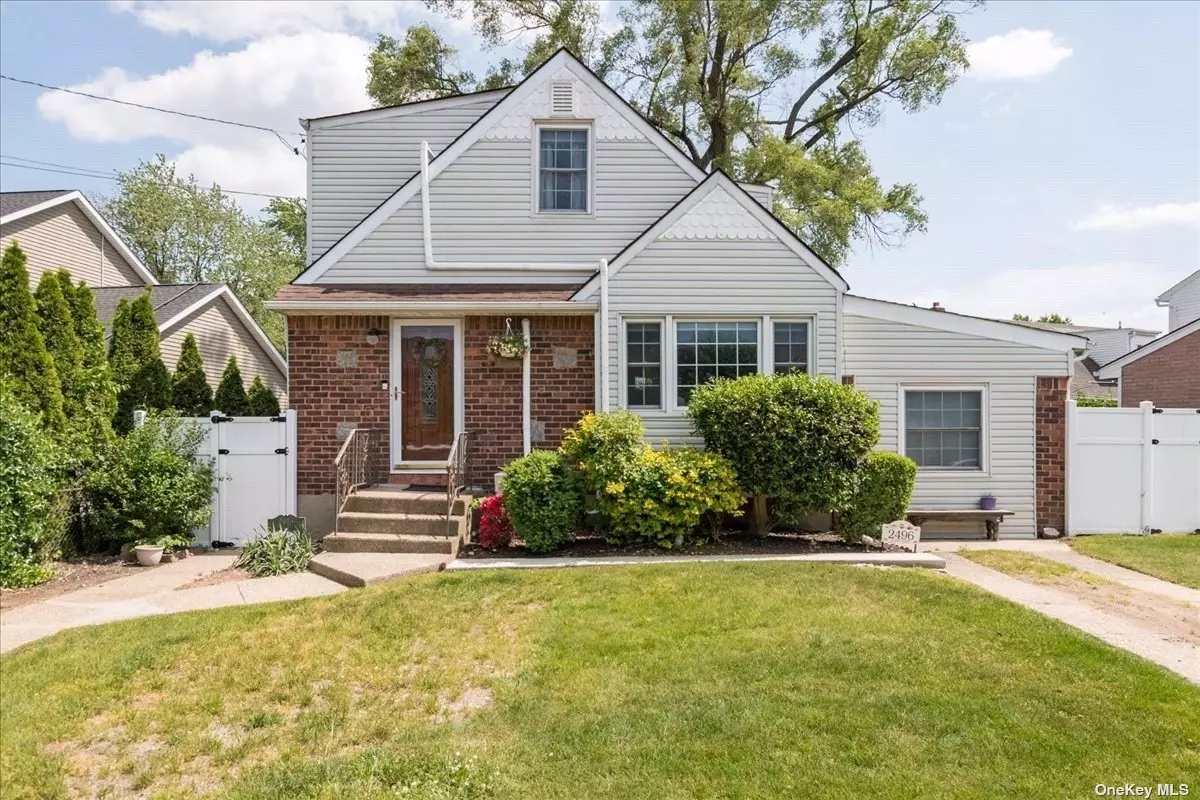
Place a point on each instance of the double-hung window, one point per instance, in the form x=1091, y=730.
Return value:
x=943, y=429
x=643, y=364
x=708, y=350
x=791, y=347
x=563, y=184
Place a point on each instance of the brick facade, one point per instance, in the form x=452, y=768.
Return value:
x=1050, y=435
x=335, y=381
x=562, y=388
x=1169, y=377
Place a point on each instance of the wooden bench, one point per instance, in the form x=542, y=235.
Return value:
x=991, y=518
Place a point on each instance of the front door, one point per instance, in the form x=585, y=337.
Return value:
x=427, y=402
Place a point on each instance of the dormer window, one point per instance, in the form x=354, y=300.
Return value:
x=564, y=169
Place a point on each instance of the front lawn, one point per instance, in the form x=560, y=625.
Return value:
x=663, y=681
x=1174, y=557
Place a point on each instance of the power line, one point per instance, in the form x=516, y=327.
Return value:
x=144, y=107
x=85, y=172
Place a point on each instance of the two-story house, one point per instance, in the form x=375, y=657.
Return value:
x=1165, y=371
x=554, y=210
x=59, y=229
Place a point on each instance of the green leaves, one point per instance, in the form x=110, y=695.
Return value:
x=231, y=397
x=883, y=489
x=136, y=362
x=276, y=552
x=24, y=360
x=262, y=401
x=542, y=499
x=190, y=393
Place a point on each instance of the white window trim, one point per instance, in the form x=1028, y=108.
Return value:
x=768, y=337
x=623, y=378
x=535, y=162
x=985, y=424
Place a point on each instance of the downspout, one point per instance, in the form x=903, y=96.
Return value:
x=604, y=393
x=526, y=422
x=427, y=230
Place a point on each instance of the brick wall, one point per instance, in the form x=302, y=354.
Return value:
x=334, y=376
x=1169, y=377
x=562, y=388
x=1050, y=457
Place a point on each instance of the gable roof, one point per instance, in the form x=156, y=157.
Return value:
x=173, y=303
x=402, y=109
x=1113, y=368
x=24, y=205
x=1013, y=332
x=1169, y=293
x=560, y=60
x=1070, y=327
x=717, y=180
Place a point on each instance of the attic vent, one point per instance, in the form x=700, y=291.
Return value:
x=562, y=98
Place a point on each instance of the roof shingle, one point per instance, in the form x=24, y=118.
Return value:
x=12, y=202
x=430, y=292
x=167, y=300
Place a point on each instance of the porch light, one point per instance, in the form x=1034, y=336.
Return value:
x=373, y=336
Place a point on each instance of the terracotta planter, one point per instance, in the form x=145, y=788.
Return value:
x=148, y=555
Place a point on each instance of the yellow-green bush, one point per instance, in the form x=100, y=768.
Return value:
x=662, y=495
x=602, y=445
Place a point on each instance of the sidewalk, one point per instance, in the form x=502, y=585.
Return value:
x=1178, y=656
x=153, y=592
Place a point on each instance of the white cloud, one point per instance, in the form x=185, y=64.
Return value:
x=272, y=82
x=1109, y=217
x=1090, y=294
x=1021, y=54
x=233, y=20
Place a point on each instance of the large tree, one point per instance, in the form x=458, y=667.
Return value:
x=137, y=362
x=96, y=397
x=58, y=332
x=25, y=363
x=768, y=90
x=187, y=233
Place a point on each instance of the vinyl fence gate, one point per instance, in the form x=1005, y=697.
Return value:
x=1133, y=470
x=255, y=466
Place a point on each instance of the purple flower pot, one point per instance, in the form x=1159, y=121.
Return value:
x=987, y=503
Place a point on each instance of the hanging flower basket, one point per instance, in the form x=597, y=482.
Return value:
x=511, y=344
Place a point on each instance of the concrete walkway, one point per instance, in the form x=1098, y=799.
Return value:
x=153, y=592
x=928, y=560
x=1178, y=656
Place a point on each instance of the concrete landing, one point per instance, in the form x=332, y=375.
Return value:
x=927, y=560
x=364, y=569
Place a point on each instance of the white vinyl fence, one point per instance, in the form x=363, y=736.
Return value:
x=1133, y=470
x=255, y=460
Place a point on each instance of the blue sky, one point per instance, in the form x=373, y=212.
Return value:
x=1061, y=174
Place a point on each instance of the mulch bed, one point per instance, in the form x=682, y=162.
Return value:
x=732, y=544
x=70, y=576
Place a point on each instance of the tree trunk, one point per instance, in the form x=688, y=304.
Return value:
x=759, y=522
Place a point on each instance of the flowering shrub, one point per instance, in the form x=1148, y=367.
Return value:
x=602, y=445
x=663, y=494
x=495, y=528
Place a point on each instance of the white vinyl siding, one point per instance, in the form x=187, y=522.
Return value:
x=481, y=212
x=887, y=358
x=220, y=334
x=63, y=236
x=1184, y=305
x=355, y=166
x=697, y=280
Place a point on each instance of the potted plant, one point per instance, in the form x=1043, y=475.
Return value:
x=987, y=502
x=510, y=344
x=148, y=555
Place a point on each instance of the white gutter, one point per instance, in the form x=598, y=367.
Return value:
x=604, y=401
x=427, y=230
x=526, y=422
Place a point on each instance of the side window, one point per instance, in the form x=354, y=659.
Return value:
x=643, y=364
x=563, y=170
x=791, y=347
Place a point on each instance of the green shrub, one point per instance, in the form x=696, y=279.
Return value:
x=261, y=400
x=882, y=494
x=24, y=360
x=602, y=445
x=136, y=362
x=190, y=393
x=277, y=551
x=543, y=499
x=663, y=495
x=231, y=395
x=32, y=515
x=58, y=333
x=790, y=437
x=1088, y=401
x=151, y=487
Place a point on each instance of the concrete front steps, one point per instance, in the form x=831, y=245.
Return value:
x=384, y=522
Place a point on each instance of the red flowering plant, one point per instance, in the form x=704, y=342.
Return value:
x=495, y=528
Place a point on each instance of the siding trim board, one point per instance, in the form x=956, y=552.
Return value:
x=559, y=61
x=94, y=217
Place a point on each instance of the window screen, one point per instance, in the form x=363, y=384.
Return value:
x=563, y=170
x=944, y=429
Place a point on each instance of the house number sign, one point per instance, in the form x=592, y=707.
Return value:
x=901, y=534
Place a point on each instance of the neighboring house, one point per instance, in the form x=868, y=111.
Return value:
x=1104, y=345
x=556, y=210
x=60, y=228
x=1165, y=371
x=218, y=320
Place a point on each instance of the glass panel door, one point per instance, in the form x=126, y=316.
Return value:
x=427, y=392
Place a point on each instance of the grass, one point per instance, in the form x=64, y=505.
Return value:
x=1174, y=557
x=663, y=681
x=1023, y=565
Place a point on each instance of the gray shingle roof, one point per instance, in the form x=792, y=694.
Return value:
x=167, y=300
x=12, y=202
